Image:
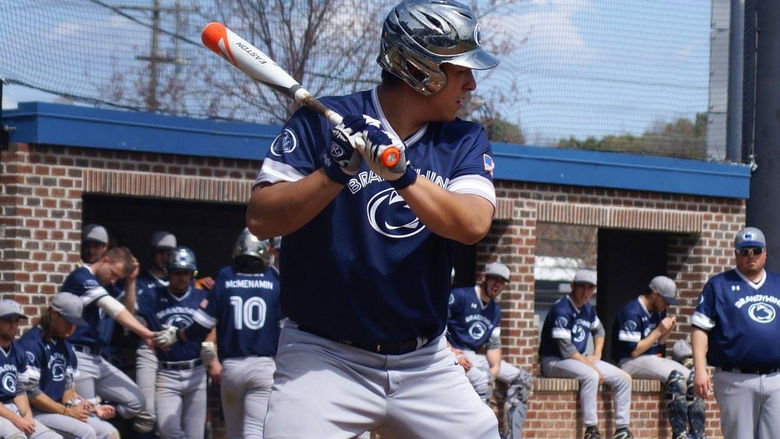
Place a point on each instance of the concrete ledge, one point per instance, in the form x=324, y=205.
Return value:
x=545, y=385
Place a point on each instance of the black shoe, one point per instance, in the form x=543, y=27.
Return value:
x=623, y=433
x=592, y=432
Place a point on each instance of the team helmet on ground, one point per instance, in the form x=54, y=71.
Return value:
x=419, y=35
x=181, y=258
x=250, y=245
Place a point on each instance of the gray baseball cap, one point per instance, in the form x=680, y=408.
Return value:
x=666, y=288
x=750, y=237
x=94, y=232
x=69, y=306
x=497, y=269
x=162, y=239
x=583, y=276
x=10, y=309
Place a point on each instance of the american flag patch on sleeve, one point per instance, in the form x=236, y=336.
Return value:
x=489, y=164
x=204, y=303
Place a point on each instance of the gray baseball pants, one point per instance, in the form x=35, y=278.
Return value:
x=99, y=377
x=9, y=431
x=181, y=403
x=323, y=388
x=616, y=378
x=72, y=428
x=749, y=404
x=245, y=388
x=653, y=367
x=145, y=377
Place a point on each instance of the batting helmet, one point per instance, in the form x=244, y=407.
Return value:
x=419, y=35
x=182, y=258
x=250, y=245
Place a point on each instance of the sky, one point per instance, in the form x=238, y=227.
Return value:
x=568, y=67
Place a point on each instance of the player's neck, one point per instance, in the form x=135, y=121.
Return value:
x=403, y=108
x=482, y=294
x=156, y=272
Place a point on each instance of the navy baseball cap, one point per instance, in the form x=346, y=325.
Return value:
x=666, y=288
x=750, y=237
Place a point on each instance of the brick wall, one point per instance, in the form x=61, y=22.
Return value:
x=41, y=201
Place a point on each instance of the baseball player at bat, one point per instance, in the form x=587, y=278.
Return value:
x=735, y=329
x=94, y=285
x=51, y=365
x=640, y=330
x=244, y=307
x=368, y=249
x=567, y=327
x=474, y=322
x=181, y=376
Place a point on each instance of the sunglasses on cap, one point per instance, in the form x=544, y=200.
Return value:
x=750, y=251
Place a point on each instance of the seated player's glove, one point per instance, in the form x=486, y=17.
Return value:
x=342, y=160
x=376, y=142
x=167, y=337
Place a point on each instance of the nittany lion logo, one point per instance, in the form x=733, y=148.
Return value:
x=452, y=299
x=749, y=236
x=29, y=357
x=58, y=371
x=630, y=325
x=9, y=382
x=577, y=334
x=390, y=216
x=562, y=322
x=762, y=312
x=179, y=320
x=284, y=143
x=477, y=330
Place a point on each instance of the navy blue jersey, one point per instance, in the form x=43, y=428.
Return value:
x=99, y=329
x=470, y=322
x=365, y=269
x=246, y=311
x=52, y=363
x=633, y=323
x=564, y=321
x=13, y=372
x=742, y=320
x=161, y=307
x=147, y=281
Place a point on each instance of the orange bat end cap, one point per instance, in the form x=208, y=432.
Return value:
x=390, y=157
x=211, y=36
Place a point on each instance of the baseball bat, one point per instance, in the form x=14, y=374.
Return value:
x=258, y=66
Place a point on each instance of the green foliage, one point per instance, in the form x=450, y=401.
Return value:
x=499, y=130
x=682, y=138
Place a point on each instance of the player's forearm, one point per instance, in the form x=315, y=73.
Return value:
x=130, y=294
x=22, y=404
x=598, y=347
x=699, y=344
x=284, y=207
x=44, y=403
x=465, y=218
x=128, y=321
x=645, y=344
x=494, y=360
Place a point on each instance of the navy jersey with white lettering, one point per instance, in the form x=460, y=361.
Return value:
x=161, y=307
x=147, y=280
x=742, y=319
x=470, y=322
x=366, y=269
x=634, y=323
x=565, y=321
x=246, y=311
x=99, y=329
x=51, y=363
x=13, y=372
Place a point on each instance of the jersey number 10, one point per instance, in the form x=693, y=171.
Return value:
x=250, y=313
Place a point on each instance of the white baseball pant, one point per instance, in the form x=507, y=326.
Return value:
x=181, y=403
x=72, y=428
x=245, y=388
x=749, y=404
x=653, y=367
x=323, y=388
x=145, y=378
x=99, y=377
x=616, y=378
x=9, y=431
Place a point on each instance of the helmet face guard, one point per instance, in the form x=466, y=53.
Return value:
x=250, y=245
x=420, y=35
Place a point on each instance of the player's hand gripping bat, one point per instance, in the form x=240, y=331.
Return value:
x=258, y=66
